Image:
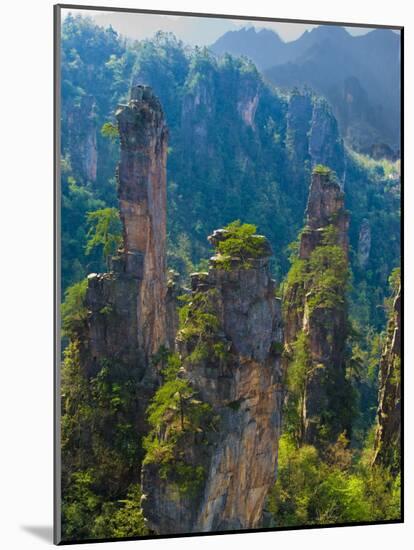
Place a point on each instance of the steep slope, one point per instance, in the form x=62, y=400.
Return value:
x=119, y=323
x=315, y=318
x=237, y=150
x=353, y=72
x=388, y=432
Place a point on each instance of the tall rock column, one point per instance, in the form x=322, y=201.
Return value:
x=215, y=473
x=122, y=316
x=388, y=433
x=142, y=203
x=315, y=316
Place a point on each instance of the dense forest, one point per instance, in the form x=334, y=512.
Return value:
x=245, y=157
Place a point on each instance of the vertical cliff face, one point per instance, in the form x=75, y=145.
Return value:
x=364, y=243
x=299, y=116
x=127, y=307
x=315, y=315
x=142, y=203
x=325, y=143
x=388, y=433
x=313, y=136
x=82, y=130
x=229, y=346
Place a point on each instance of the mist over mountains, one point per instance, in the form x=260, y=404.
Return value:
x=357, y=74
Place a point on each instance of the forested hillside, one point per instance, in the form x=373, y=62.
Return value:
x=296, y=298
x=237, y=150
x=359, y=75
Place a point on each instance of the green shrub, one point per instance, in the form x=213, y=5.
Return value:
x=110, y=131
x=104, y=231
x=321, y=169
x=312, y=491
x=73, y=310
x=241, y=243
x=173, y=414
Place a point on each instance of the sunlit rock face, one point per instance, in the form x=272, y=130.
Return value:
x=126, y=320
x=243, y=387
x=142, y=202
x=82, y=138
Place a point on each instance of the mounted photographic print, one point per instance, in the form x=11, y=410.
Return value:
x=228, y=274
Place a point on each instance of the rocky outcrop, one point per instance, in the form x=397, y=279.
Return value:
x=82, y=138
x=249, y=90
x=142, y=204
x=313, y=137
x=299, y=116
x=126, y=307
x=233, y=365
x=388, y=432
x=364, y=243
x=325, y=143
x=315, y=313
x=172, y=304
x=198, y=109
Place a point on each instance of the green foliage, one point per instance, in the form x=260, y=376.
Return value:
x=128, y=521
x=362, y=366
x=311, y=490
x=321, y=169
x=377, y=169
x=240, y=243
x=73, y=310
x=98, y=436
x=324, y=275
x=85, y=515
x=110, y=131
x=104, y=231
x=375, y=198
x=394, y=279
x=227, y=170
x=75, y=203
x=174, y=414
x=80, y=506
x=95, y=70
x=200, y=326
x=298, y=372
x=327, y=277
x=97, y=64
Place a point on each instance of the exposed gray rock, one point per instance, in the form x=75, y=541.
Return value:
x=243, y=387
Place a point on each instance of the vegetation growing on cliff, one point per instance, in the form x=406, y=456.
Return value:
x=200, y=327
x=175, y=416
x=226, y=168
x=104, y=231
x=100, y=449
x=240, y=244
x=245, y=172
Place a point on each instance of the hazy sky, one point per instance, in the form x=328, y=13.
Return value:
x=192, y=30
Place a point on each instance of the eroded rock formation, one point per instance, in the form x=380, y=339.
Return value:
x=315, y=313
x=364, y=243
x=313, y=134
x=233, y=366
x=388, y=433
x=126, y=320
x=142, y=204
x=82, y=138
